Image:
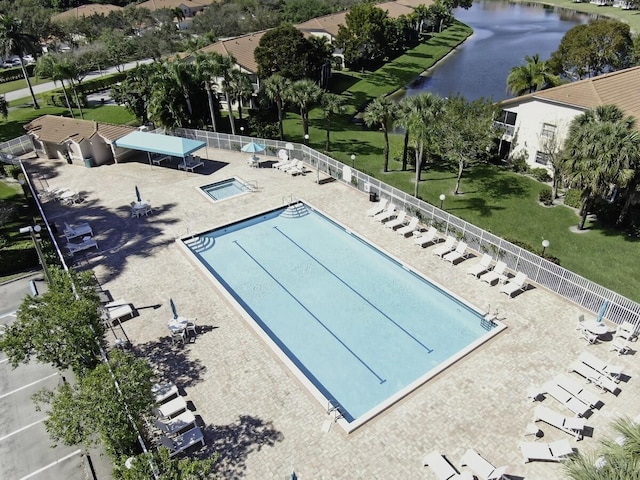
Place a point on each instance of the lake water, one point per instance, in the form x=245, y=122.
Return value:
x=504, y=33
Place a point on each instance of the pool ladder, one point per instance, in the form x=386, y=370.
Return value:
x=295, y=210
x=334, y=408
x=251, y=186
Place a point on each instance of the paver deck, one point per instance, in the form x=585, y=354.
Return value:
x=258, y=416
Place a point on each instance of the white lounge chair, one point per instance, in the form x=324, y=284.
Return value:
x=571, y=425
x=574, y=404
x=495, y=275
x=409, y=227
x=626, y=330
x=183, y=442
x=164, y=391
x=483, y=469
x=117, y=310
x=448, y=245
x=603, y=382
x=516, y=284
x=386, y=214
x=551, y=452
x=176, y=425
x=460, y=253
x=285, y=164
x=441, y=468
x=577, y=389
x=298, y=168
x=171, y=408
x=424, y=238
x=484, y=265
x=377, y=208
x=620, y=345
x=398, y=221
x=79, y=230
x=190, y=163
x=600, y=366
x=87, y=242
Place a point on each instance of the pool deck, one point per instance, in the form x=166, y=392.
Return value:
x=256, y=413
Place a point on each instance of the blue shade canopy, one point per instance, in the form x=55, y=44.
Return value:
x=157, y=143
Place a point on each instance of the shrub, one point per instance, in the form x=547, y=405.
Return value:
x=541, y=174
x=518, y=163
x=572, y=198
x=537, y=251
x=545, y=196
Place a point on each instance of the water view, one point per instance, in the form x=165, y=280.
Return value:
x=503, y=34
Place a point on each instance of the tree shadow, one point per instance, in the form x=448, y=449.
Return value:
x=234, y=442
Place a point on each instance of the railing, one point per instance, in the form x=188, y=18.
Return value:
x=565, y=283
x=17, y=146
x=509, y=130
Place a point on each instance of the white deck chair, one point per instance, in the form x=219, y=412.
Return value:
x=117, y=310
x=603, y=382
x=577, y=389
x=626, y=330
x=571, y=425
x=164, y=391
x=565, y=398
x=483, y=469
x=484, y=265
x=386, y=214
x=398, y=221
x=516, y=284
x=172, y=408
x=600, y=366
x=409, y=227
x=620, y=345
x=183, y=442
x=424, y=238
x=460, y=253
x=176, y=425
x=377, y=208
x=440, y=467
x=551, y=452
x=87, y=242
x=448, y=245
x=496, y=275
x=79, y=230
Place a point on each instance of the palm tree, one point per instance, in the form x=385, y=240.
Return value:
x=332, y=104
x=13, y=41
x=381, y=112
x=600, y=150
x=182, y=75
x=70, y=71
x=206, y=70
x=225, y=65
x=241, y=88
x=178, y=14
x=166, y=106
x=305, y=93
x=51, y=66
x=275, y=88
x=535, y=75
x=403, y=115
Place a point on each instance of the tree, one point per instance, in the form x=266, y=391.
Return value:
x=119, y=48
x=533, y=76
x=15, y=41
x=57, y=327
x=225, y=66
x=439, y=15
x=167, y=468
x=276, y=88
x=332, y=104
x=305, y=94
x=601, y=147
x=297, y=11
x=594, y=48
x=241, y=88
x=181, y=73
x=135, y=90
x=403, y=117
x=467, y=133
x=381, y=112
x=207, y=69
x=51, y=66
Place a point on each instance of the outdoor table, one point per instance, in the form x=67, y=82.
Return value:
x=177, y=324
x=595, y=327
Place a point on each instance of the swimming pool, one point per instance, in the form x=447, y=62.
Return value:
x=359, y=328
x=225, y=189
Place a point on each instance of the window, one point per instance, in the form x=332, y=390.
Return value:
x=548, y=130
x=542, y=158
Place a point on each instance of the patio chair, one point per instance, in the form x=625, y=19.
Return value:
x=600, y=366
x=164, y=391
x=551, y=452
x=603, y=382
x=398, y=221
x=172, y=408
x=590, y=337
x=192, y=327
x=580, y=324
x=626, y=330
x=425, y=238
x=386, y=214
x=409, y=227
x=571, y=425
x=377, y=208
x=574, y=404
x=483, y=469
x=440, y=467
x=448, y=245
x=183, y=442
x=117, y=310
x=190, y=164
x=484, y=265
x=182, y=422
x=516, y=284
x=577, y=390
x=496, y=275
x=620, y=345
x=87, y=242
x=298, y=168
x=178, y=336
x=459, y=254
x=79, y=230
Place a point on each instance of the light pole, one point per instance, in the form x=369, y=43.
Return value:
x=306, y=139
x=353, y=160
x=442, y=197
x=242, y=131
x=545, y=244
x=33, y=230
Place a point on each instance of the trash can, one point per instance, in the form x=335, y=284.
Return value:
x=88, y=162
x=373, y=196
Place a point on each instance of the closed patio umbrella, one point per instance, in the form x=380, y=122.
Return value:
x=173, y=308
x=603, y=310
x=138, y=194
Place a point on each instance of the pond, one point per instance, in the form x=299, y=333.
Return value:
x=504, y=33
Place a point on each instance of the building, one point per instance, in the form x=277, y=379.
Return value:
x=189, y=7
x=538, y=122
x=86, y=11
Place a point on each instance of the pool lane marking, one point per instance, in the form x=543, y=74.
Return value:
x=410, y=335
x=380, y=379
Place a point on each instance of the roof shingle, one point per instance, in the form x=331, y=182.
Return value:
x=50, y=128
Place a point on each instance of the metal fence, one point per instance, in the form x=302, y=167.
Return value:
x=14, y=148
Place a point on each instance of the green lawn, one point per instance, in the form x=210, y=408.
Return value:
x=22, y=83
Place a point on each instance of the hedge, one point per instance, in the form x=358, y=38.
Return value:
x=17, y=259
x=12, y=74
x=56, y=97
x=573, y=198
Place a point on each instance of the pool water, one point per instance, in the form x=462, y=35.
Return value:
x=225, y=189
x=361, y=327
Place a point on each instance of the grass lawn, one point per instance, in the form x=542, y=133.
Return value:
x=20, y=84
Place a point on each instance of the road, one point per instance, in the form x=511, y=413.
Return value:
x=45, y=87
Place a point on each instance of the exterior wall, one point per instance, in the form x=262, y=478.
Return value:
x=532, y=116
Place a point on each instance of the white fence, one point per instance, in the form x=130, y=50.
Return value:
x=14, y=148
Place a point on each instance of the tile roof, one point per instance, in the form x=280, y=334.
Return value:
x=51, y=128
x=241, y=48
x=618, y=88
x=86, y=11
x=416, y=3
x=171, y=4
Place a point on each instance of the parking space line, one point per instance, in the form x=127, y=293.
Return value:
x=52, y=464
x=27, y=386
x=23, y=428
x=5, y=360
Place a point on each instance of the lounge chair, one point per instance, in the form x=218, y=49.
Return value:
x=441, y=468
x=460, y=253
x=483, y=469
x=171, y=408
x=551, y=452
x=182, y=442
x=190, y=164
x=398, y=221
x=164, y=391
x=496, y=275
x=626, y=330
x=448, y=245
x=298, y=168
x=117, y=310
x=424, y=238
x=571, y=425
x=603, y=382
x=620, y=345
x=484, y=265
x=386, y=214
x=516, y=284
x=603, y=368
x=176, y=425
x=79, y=230
x=87, y=242
x=158, y=159
x=377, y=208
x=565, y=398
x=409, y=227
x=577, y=390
